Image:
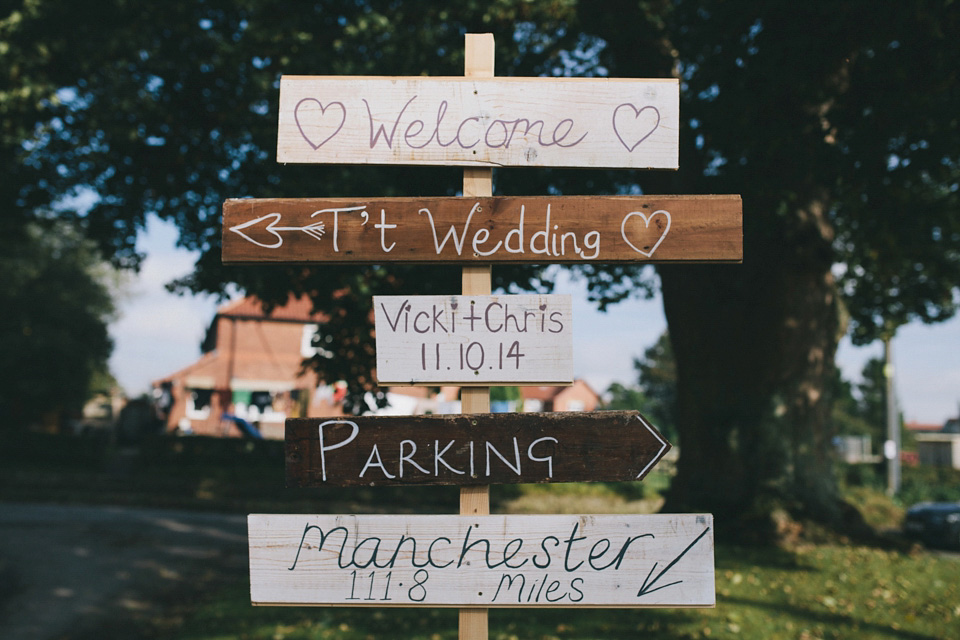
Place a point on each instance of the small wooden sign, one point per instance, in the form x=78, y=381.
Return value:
x=476, y=449
x=541, y=229
x=474, y=340
x=482, y=561
x=487, y=122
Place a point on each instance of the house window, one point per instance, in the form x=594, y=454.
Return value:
x=532, y=405
x=312, y=342
x=298, y=403
x=256, y=406
x=198, y=403
x=576, y=405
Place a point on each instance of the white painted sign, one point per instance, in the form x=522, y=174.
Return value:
x=482, y=561
x=531, y=122
x=474, y=340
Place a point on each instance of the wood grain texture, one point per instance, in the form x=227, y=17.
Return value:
x=479, y=121
x=483, y=230
x=478, y=62
x=474, y=340
x=476, y=449
x=482, y=561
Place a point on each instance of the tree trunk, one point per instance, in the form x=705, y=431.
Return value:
x=754, y=346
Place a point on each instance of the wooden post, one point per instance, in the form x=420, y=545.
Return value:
x=478, y=61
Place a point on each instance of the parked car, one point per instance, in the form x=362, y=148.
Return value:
x=936, y=524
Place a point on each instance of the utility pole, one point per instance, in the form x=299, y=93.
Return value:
x=891, y=448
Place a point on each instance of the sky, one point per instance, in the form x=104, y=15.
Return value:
x=157, y=333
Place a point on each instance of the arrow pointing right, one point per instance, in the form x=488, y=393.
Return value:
x=664, y=446
x=476, y=449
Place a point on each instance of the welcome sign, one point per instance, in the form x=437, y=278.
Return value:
x=488, y=122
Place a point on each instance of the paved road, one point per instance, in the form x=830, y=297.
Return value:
x=81, y=571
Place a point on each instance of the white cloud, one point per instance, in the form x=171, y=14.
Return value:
x=158, y=332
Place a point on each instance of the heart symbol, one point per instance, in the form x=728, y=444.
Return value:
x=646, y=230
x=273, y=218
x=308, y=117
x=637, y=127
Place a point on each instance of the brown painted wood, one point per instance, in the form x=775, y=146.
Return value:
x=598, y=446
x=483, y=230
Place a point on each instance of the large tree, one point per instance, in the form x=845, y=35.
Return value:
x=57, y=301
x=836, y=121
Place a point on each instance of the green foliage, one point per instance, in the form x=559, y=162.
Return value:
x=53, y=331
x=846, y=153
x=866, y=476
x=863, y=410
x=817, y=592
x=657, y=372
x=847, y=409
x=925, y=483
x=861, y=129
x=655, y=395
x=919, y=483
x=505, y=394
x=622, y=398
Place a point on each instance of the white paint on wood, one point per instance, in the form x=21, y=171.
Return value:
x=483, y=561
x=474, y=340
x=530, y=122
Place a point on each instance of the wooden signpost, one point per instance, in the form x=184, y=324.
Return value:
x=482, y=561
x=474, y=560
x=479, y=449
x=568, y=229
x=474, y=340
x=476, y=121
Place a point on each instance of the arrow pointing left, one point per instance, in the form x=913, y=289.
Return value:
x=272, y=220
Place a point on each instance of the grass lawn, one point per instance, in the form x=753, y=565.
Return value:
x=818, y=592
x=813, y=591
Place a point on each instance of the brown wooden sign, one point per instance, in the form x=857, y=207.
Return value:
x=477, y=449
x=542, y=229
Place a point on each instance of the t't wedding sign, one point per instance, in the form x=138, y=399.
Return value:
x=537, y=229
x=487, y=122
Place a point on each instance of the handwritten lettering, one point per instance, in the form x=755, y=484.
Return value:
x=470, y=131
x=497, y=561
x=523, y=234
x=442, y=338
x=493, y=316
x=487, y=551
x=431, y=457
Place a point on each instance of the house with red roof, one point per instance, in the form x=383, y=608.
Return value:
x=577, y=397
x=251, y=367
